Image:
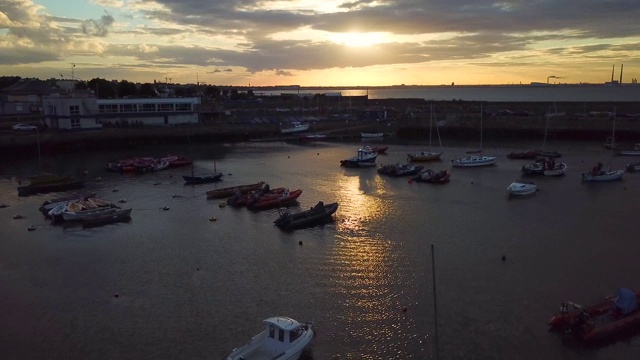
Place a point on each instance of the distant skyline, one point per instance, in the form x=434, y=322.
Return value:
x=322, y=43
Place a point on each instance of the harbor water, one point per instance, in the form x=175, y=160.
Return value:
x=188, y=278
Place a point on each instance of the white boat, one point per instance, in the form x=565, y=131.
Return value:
x=296, y=126
x=365, y=157
x=556, y=170
x=282, y=339
x=474, y=161
x=428, y=155
x=522, y=188
x=375, y=135
x=609, y=175
x=631, y=152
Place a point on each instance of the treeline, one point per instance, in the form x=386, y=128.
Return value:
x=110, y=89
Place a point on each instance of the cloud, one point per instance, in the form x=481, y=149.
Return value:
x=98, y=27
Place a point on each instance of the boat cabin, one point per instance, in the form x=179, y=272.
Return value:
x=281, y=332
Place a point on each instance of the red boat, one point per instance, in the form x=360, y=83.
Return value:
x=282, y=200
x=255, y=196
x=597, y=322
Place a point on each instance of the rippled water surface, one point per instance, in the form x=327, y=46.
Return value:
x=191, y=288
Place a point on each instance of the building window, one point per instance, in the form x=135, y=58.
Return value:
x=75, y=123
x=148, y=108
x=165, y=107
x=183, y=107
x=128, y=108
x=109, y=108
x=74, y=110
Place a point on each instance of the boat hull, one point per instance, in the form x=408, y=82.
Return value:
x=474, y=161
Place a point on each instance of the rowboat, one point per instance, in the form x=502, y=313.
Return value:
x=229, y=191
x=107, y=218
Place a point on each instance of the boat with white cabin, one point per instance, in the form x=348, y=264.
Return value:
x=282, y=339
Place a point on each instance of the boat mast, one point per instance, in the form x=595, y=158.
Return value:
x=481, y=112
x=430, y=125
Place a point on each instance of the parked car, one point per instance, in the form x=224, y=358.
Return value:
x=24, y=127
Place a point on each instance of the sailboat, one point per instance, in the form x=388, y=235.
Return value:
x=475, y=160
x=315, y=136
x=203, y=179
x=428, y=155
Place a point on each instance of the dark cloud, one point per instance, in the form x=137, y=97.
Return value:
x=98, y=27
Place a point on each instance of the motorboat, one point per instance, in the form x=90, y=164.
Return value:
x=556, y=169
x=522, y=188
x=364, y=155
x=597, y=174
x=318, y=214
x=600, y=321
x=282, y=339
x=474, y=161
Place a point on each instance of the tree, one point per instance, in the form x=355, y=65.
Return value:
x=127, y=89
x=147, y=90
x=104, y=89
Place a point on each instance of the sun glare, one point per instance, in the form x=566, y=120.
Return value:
x=354, y=39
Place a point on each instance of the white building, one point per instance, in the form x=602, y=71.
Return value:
x=71, y=112
x=76, y=111
x=154, y=111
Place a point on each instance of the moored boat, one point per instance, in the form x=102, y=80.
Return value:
x=202, y=179
x=45, y=183
x=365, y=155
x=318, y=214
x=229, y=191
x=602, y=320
x=283, y=199
x=107, y=218
x=597, y=174
x=518, y=188
x=433, y=177
x=283, y=339
x=474, y=161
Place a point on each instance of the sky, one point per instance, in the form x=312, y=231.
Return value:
x=322, y=42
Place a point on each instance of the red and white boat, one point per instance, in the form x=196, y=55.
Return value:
x=605, y=319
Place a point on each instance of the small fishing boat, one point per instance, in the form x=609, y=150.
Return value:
x=282, y=339
x=518, y=188
x=365, y=155
x=229, y=191
x=600, y=321
x=597, y=174
x=318, y=214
